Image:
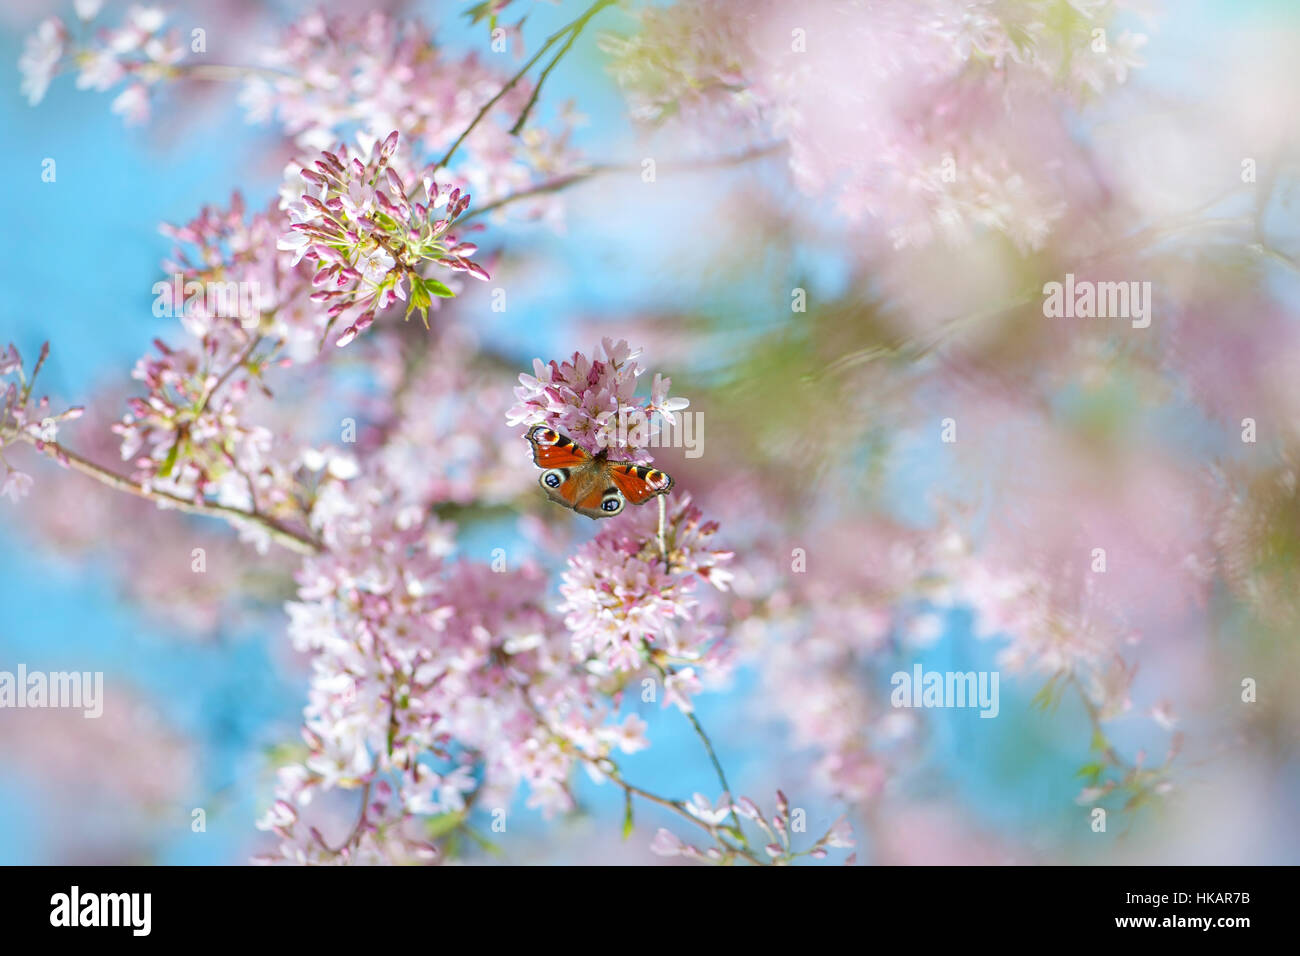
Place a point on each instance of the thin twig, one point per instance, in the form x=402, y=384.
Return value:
x=708, y=748
x=679, y=808
x=599, y=169
x=573, y=29
x=282, y=534
x=222, y=73
x=239, y=363
x=510, y=84
x=1094, y=718
x=607, y=767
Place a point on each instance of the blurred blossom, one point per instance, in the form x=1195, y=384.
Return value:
x=151, y=552
x=904, y=441
x=16, y=485
x=331, y=73
x=934, y=118
x=138, y=52
x=106, y=781
x=41, y=57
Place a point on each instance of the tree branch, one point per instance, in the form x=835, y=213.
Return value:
x=573, y=29
x=599, y=169
x=295, y=540
x=511, y=83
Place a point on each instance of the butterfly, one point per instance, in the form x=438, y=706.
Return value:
x=591, y=485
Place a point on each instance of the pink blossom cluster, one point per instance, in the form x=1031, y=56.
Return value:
x=447, y=683
x=233, y=245
x=629, y=608
x=204, y=429
x=821, y=627
x=329, y=74
x=188, y=435
x=367, y=236
x=1068, y=590
x=22, y=419
x=824, y=642
x=592, y=400
x=448, y=680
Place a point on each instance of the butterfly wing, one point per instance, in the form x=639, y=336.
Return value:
x=638, y=483
x=572, y=477
x=553, y=450
x=590, y=486
x=600, y=499
x=585, y=489
x=565, y=464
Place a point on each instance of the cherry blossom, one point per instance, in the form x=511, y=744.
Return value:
x=592, y=400
x=367, y=235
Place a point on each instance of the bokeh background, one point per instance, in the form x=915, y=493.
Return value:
x=202, y=688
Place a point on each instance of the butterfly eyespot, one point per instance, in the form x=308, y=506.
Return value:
x=612, y=504
x=553, y=478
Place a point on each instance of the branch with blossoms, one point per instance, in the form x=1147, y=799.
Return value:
x=23, y=420
x=1108, y=773
x=505, y=692
x=418, y=662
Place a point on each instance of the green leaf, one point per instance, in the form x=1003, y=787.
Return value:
x=1138, y=800
x=627, y=814
x=170, y=461
x=419, y=299
x=483, y=842
x=445, y=823
x=1043, y=699
x=481, y=11
x=438, y=289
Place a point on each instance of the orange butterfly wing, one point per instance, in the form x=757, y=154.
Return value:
x=592, y=501
x=638, y=483
x=553, y=450
x=587, y=491
x=591, y=486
